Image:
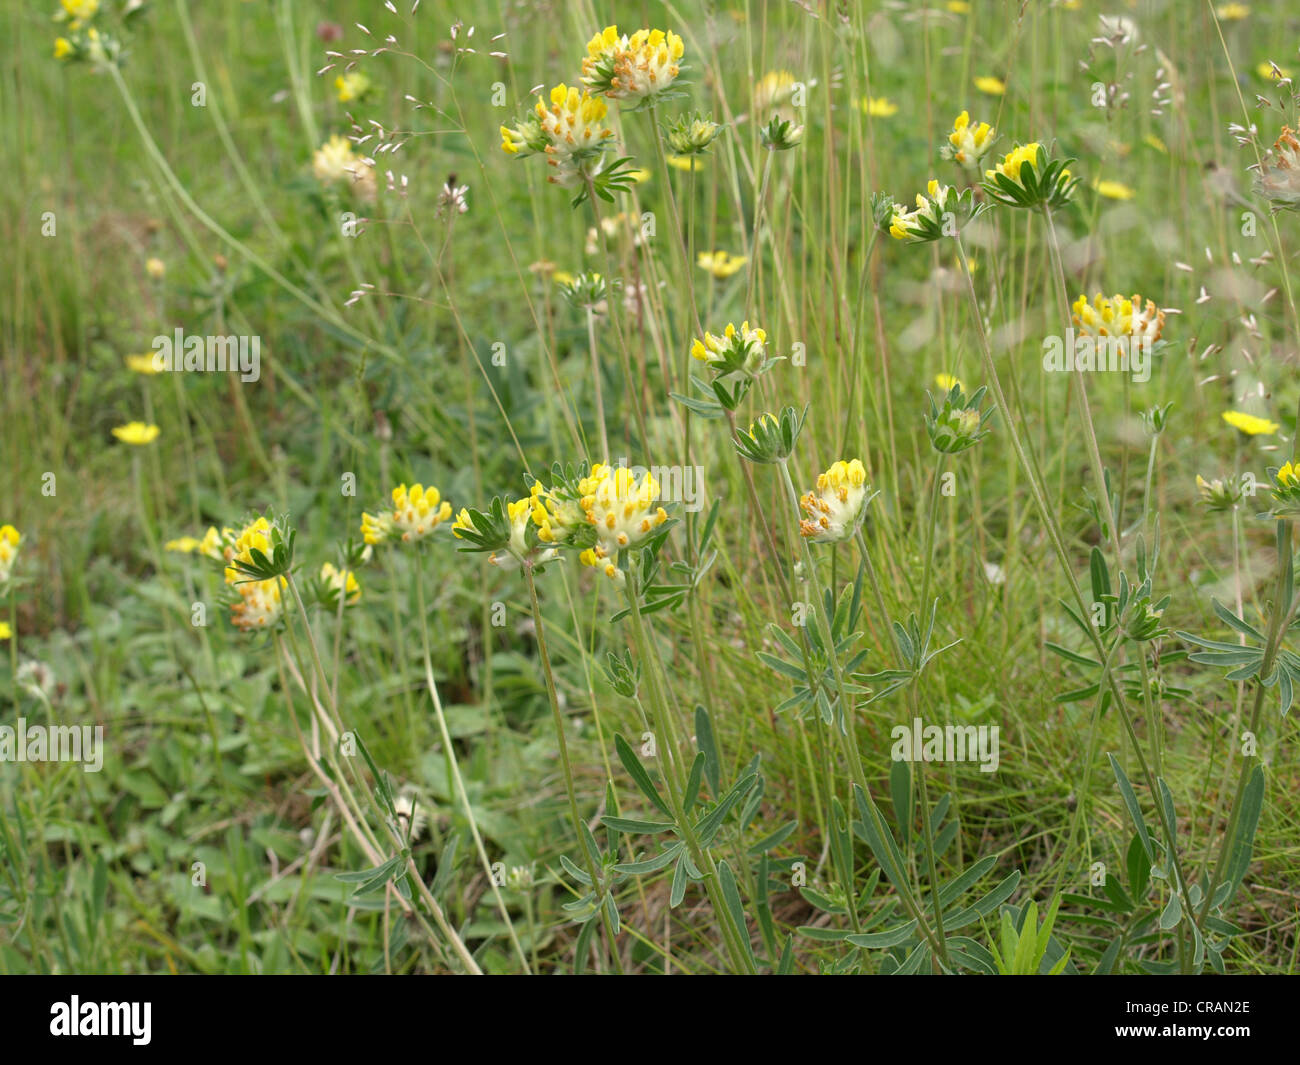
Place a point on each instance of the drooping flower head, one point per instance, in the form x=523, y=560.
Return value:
x=968, y=143
x=836, y=508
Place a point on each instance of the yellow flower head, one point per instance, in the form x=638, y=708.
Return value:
x=967, y=143
x=341, y=582
x=946, y=381
x=878, y=107
x=647, y=66
x=990, y=85
x=837, y=506
x=335, y=163
x=415, y=514
x=632, y=67
x=624, y=511
x=1014, y=160
x=1249, y=423
x=721, y=264
x=351, y=86
x=142, y=364
x=1113, y=190
x=775, y=92
x=185, y=545
x=155, y=268
x=742, y=350
x=1119, y=316
x=557, y=515
x=77, y=12
x=1232, y=12
x=574, y=124
x=62, y=48
x=260, y=604
x=9, y=540
x=136, y=433
x=685, y=162
x=1272, y=72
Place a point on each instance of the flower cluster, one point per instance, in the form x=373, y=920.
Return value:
x=414, y=515
x=967, y=143
x=260, y=603
x=1222, y=493
x=837, y=506
x=624, y=511
x=1286, y=490
x=1119, y=316
x=939, y=213
x=599, y=513
x=958, y=424
x=335, y=163
x=634, y=68
x=742, y=350
x=82, y=40
x=1028, y=176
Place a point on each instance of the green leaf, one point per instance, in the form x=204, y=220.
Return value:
x=1130, y=800
x=900, y=790
x=1243, y=842
x=631, y=825
x=639, y=775
x=893, y=938
x=706, y=745
x=731, y=896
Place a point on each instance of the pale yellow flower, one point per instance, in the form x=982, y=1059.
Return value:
x=141, y=364
x=1113, y=190
x=1249, y=423
x=878, y=107
x=136, y=433
x=721, y=264
x=990, y=85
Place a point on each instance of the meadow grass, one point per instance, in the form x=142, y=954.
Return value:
x=676, y=756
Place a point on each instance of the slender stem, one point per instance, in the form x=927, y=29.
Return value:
x=565, y=764
x=458, y=782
